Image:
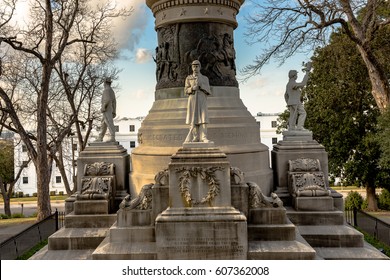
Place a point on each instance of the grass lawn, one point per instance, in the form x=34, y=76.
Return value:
x=32, y=198
x=15, y=221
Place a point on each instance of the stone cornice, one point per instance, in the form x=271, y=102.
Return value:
x=168, y=12
x=159, y=5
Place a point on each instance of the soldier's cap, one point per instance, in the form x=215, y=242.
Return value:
x=196, y=62
x=108, y=80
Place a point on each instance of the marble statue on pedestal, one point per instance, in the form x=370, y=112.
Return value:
x=108, y=109
x=294, y=99
x=197, y=88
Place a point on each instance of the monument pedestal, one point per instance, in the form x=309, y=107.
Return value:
x=200, y=222
x=295, y=144
x=110, y=152
x=201, y=233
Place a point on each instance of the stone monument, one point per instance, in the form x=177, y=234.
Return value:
x=197, y=30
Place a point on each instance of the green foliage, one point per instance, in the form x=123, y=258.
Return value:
x=384, y=138
x=3, y=217
x=6, y=161
x=376, y=243
x=17, y=216
x=353, y=200
x=33, y=250
x=384, y=200
x=342, y=112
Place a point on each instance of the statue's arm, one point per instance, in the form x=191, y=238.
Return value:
x=205, y=86
x=188, y=86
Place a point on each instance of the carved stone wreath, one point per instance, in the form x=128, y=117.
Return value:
x=206, y=174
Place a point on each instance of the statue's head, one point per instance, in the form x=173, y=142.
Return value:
x=108, y=81
x=196, y=66
x=293, y=74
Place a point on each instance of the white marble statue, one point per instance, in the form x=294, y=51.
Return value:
x=197, y=88
x=108, y=108
x=294, y=99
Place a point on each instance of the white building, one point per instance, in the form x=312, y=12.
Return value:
x=126, y=135
x=268, y=124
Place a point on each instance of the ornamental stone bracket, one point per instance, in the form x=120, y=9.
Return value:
x=98, y=181
x=306, y=179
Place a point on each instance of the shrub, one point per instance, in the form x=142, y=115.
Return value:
x=35, y=194
x=52, y=193
x=3, y=216
x=27, y=195
x=61, y=193
x=384, y=200
x=17, y=215
x=353, y=200
x=19, y=194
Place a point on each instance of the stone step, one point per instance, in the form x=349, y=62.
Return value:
x=46, y=254
x=271, y=232
x=77, y=238
x=280, y=250
x=125, y=251
x=331, y=236
x=315, y=217
x=351, y=253
x=132, y=234
x=89, y=221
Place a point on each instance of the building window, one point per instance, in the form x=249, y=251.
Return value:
x=117, y=128
x=58, y=179
x=25, y=180
x=274, y=140
x=132, y=144
x=273, y=124
x=24, y=148
x=132, y=127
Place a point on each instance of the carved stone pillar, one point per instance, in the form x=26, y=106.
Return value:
x=202, y=30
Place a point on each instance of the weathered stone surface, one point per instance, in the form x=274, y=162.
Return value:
x=324, y=203
x=201, y=233
x=113, y=153
x=86, y=207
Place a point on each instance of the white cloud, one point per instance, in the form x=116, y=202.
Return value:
x=142, y=56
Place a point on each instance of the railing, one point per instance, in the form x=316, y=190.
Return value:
x=17, y=245
x=369, y=224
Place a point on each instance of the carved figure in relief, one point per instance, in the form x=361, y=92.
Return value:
x=258, y=200
x=142, y=202
x=294, y=99
x=108, y=108
x=197, y=88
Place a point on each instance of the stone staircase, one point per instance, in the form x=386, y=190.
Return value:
x=330, y=237
x=272, y=236
x=81, y=234
x=132, y=237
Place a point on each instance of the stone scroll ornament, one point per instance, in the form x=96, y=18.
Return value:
x=237, y=177
x=258, y=200
x=98, y=181
x=207, y=175
x=142, y=202
x=306, y=178
x=162, y=177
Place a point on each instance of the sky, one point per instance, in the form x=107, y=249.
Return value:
x=137, y=40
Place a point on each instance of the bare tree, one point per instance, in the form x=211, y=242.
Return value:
x=286, y=27
x=59, y=28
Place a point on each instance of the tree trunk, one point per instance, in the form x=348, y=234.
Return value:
x=371, y=199
x=6, y=198
x=380, y=85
